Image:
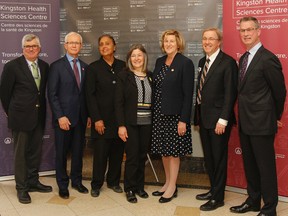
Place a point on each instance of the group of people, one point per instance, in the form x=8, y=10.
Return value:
x=131, y=109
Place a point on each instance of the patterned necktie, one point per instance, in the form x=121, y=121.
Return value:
x=76, y=72
x=243, y=65
x=35, y=74
x=202, y=80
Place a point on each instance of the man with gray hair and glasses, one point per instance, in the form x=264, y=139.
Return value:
x=22, y=91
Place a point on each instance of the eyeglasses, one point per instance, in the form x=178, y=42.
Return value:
x=73, y=43
x=209, y=39
x=31, y=46
x=248, y=30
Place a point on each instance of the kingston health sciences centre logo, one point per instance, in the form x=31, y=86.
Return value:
x=8, y=141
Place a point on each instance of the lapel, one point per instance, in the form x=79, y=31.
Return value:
x=131, y=78
x=27, y=72
x=82, y=68
x=213, y=67
x=252, y=64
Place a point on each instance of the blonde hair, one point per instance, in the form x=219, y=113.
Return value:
x=179, y=39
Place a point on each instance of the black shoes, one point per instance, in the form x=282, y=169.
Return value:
x=142, y=193
x=95, y=192
x=39, y=187
x=130, y=196
x=244, y=207
x=204, y=196
x=23, y=197
x=116, y=188
x=158, y=193
x=80, y=188
x=64, y=193
x=211, y=205
x=263, y=214
x=165, y=200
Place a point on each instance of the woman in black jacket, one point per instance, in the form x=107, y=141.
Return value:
x=133, y=115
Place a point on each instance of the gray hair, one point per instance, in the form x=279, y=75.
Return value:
x=30, y=37
x=72, y=33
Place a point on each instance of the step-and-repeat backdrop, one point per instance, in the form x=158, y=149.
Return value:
x=141, y=21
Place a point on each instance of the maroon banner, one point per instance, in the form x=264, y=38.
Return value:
x=273, y=18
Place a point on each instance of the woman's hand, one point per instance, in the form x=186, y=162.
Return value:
x=122, y=133
x=100, y=127
x=181, y=128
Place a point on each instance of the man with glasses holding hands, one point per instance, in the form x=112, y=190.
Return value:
x=22, y=89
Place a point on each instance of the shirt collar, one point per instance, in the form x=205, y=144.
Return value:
x=213, y=56
x=254, y=49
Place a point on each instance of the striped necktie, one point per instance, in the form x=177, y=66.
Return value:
x=202, y=80
x=35, y=74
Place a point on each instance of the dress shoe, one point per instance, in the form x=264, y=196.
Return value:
x=244, y=207
x=158, y=193
x=130, y=196
x=204, y=196
x=23, y=197
x=39, y=187
x=165, y=200
x=64, y=193
x=142, y=193
x=115, y=188
x=95, y=192
x=211, y=205
x=80, y=188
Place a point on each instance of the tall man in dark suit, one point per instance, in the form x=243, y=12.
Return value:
x=22, y=88
x=67, y=100
x=261, y=97
x=216, y=95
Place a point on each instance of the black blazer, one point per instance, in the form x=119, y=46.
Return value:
x=100, y=91
x=177, y=88
x=126, y=97
x=20, y=98
x=219, y=91
x=65, y=98
x=261, y=94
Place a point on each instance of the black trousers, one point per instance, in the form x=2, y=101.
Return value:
x=111, y=150
x=136, y=148
x=215, y=149
x=69, y=141
x=260, y=170
x=27, y=156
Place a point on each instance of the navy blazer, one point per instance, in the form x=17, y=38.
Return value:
x=261, y=94
x=219, y=91
x=177, y=88
x=24, y=104
x=126, y=97
x=64, y=95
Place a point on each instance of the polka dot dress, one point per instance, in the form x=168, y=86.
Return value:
x=165, y=138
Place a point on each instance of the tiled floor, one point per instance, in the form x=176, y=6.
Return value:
x=112, y=204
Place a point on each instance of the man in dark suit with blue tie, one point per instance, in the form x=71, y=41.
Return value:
x=216, y=95
x=67, y=100
x=261, y=97
x=23, y=85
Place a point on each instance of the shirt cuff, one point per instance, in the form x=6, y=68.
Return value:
x=223, y=121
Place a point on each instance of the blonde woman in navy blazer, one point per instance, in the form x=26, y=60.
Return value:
x=173, y=79
x=133, y=115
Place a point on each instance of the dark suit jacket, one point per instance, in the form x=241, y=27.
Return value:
x=100, y=90
x=261, y=94
x=177, y=88
x=126, y=98
x=20, y=97
x=219, y=91
x=65, y=98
